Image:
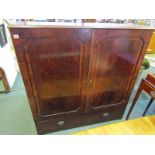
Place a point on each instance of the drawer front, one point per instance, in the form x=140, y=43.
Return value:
x=56, y=124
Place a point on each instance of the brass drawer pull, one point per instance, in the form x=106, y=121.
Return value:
x=61, y=123
x=106, y=114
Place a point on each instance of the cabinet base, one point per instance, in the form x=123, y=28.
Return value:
x=58, y=124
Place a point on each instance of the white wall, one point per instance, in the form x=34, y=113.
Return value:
x=8, y=61
x=11, y=45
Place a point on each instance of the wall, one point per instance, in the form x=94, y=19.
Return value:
x=8, y=61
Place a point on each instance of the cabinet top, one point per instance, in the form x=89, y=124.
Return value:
x=75, y=25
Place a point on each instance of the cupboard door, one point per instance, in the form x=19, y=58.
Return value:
x=57, y=61
x=114, y=56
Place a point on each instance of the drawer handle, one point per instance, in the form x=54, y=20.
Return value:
x=61, y=123
x=106, y=114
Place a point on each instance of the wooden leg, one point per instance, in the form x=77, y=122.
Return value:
x=5, y=81
x=134, y=101
x=148, y=106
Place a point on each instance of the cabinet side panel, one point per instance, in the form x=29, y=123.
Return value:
x=19, y=51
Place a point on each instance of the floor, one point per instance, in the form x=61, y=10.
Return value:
x=16, y=117
x=15, y=114
x=140, y=126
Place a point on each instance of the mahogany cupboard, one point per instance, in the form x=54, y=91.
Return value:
x=78, y=75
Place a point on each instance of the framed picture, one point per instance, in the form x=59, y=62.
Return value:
x=3, y=39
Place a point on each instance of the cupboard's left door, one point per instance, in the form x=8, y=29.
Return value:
x=57, y=60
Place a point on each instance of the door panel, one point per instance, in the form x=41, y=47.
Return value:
x=113, y=59
x=56, y=65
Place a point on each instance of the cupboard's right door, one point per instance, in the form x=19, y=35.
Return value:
x=113, y=62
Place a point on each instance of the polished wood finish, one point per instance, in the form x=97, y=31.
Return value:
x=58, y=69
x=139, y=126
x=4, y=81
x=151, y=47
x=147, y=85
x=114, y=57
x=78, y=76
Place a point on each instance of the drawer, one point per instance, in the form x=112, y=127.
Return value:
x=79, y=120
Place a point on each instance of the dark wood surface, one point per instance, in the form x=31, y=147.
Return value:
x=114, y=57
x=4, y=81
x=57, y=70
x=74, y=75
